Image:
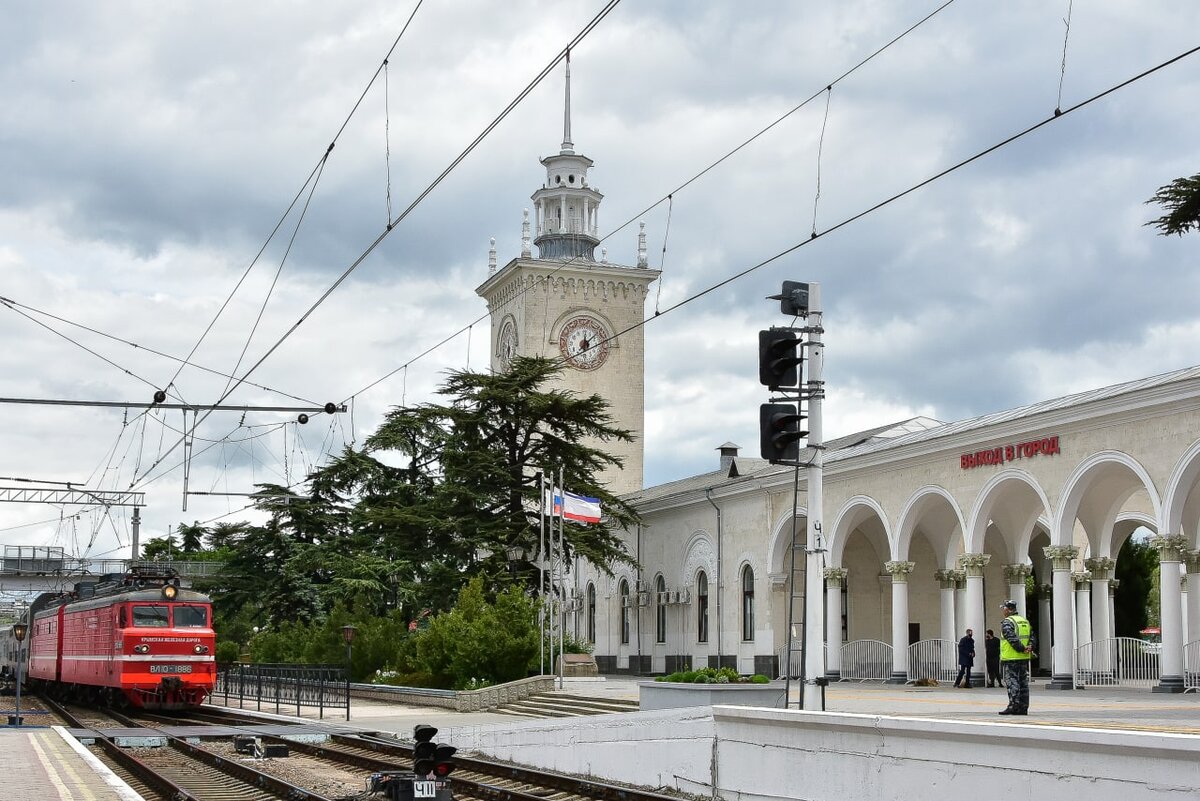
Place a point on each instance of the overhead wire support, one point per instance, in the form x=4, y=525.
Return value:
x=329, y=408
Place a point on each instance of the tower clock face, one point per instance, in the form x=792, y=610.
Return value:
x=506, y=344
x=584, y=343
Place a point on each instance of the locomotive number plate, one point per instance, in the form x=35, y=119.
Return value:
x=170, y=668
x=424, y=789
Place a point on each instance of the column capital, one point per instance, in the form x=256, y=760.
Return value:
x=973, y=563
x=1170, y=548
x=1112, y=586
x=1192, y=560
x=960, y=578
x=1045, y=591
x=1101, y=567
x=899, y=570
x=1016, y=574
x=778, y=580
x=947, y=578
x=1082, y=579
x=835, y=577
x=1061, y=556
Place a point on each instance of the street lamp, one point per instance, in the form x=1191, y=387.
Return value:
x=348, y=633
x=19, y=632
x=516, y=555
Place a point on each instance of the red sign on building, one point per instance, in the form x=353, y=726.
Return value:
x=1047, y=446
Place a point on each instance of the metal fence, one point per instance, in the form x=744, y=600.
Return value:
x=1118, y=661
x=866, y=660
x=1191, y=665
x=322, y=686
x=933, y=659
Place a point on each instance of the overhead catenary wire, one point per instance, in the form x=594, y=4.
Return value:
x=666, y=198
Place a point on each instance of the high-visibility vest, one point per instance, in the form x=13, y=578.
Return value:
x=1024, y=634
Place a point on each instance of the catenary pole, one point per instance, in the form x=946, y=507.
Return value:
x=814, y=591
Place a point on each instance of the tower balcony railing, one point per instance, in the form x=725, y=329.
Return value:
x=572, y=225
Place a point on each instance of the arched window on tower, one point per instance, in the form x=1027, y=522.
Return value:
x=623, y=592
x=702, y=607
x=660, y=611
x=591, y=612
x=747, y=603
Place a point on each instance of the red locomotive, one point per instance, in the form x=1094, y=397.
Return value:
x=132, y=639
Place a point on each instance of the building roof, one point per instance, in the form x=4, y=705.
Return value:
x=906, y=432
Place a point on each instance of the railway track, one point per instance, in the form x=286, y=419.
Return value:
x=337, y=770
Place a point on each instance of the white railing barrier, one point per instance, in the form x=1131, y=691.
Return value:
x=866, y=660
x=933, y=659
x=1119, y=661
x=1191, y=665
x=797, y=659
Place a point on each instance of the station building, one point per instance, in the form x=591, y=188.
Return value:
x=928, y=526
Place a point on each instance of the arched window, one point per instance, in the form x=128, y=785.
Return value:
x=747, y=603
x=660, y=617
x=591, y=612
x=624, y=593
x=702, y=607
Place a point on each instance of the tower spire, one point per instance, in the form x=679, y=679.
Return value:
x=567, y=145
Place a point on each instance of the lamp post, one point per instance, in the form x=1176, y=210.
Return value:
x=516, y=555
x=348, y=633
x=19, y=632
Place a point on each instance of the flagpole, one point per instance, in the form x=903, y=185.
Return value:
x=541, y=555
x=562, y=558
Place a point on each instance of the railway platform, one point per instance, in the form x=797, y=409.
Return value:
x=44, y=763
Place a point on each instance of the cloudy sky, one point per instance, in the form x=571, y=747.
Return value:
x=148, y=150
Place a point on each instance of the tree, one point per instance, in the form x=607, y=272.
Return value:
x=160, y=548
x=1137, y=565
x=1181, y=199
x=191, y=538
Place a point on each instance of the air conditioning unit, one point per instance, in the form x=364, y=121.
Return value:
x=685, y=596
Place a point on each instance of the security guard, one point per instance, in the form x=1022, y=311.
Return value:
x=1016, y=650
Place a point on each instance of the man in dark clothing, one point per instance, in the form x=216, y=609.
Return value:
x=966, y=660
x=1016, y=651
x=991, y=653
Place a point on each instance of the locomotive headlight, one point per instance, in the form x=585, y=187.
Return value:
x=201, y=649
x=141, y=649
x=170, y=591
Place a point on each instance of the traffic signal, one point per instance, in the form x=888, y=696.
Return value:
x=430, y=757
x=780, y=434
x=779, y=358
x=793, y=298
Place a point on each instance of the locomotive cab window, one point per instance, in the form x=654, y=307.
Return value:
x=150, y=616
x=123, y=617
x=191, y=617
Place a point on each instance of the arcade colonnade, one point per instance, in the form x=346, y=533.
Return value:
x=928, y=528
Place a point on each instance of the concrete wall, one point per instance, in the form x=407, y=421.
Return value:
x=759, y=753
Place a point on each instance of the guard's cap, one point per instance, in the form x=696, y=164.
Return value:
x=1009, y=605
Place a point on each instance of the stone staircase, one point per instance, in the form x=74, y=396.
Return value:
x=565, y=705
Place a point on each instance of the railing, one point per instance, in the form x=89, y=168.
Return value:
x=1191, y=665
x=322, y=686
x=866, y=660
x=1118, y=661
x=933, y=659
x=23, y=560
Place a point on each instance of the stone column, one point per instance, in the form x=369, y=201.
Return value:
x=973, y=564
x=1192, y=560
x=960, y=605
x=1045, y=633
x=899, y=572
x=1083, y=619
x=1170, y=554
x=1060, y=557
x=947, y=580
x=1112, y=607
x=835, y=579
x=1101, y=568
x=1014, y=577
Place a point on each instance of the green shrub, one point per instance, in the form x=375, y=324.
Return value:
x=228, y=652
x=709, y=675
x=759, y=678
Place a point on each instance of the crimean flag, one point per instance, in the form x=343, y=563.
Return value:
x=580, y=508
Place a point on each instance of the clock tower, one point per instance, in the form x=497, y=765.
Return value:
x=563, y=303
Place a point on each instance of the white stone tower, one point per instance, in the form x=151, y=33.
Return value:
x=564, y=303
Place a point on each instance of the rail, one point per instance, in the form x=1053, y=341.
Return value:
x=1191, y=666
x=322, y=686
x=933, y=659
x=866, y=660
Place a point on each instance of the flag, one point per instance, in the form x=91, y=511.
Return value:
x=552, y=505
x=580, y=508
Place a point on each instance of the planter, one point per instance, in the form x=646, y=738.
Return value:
x=673, y=695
